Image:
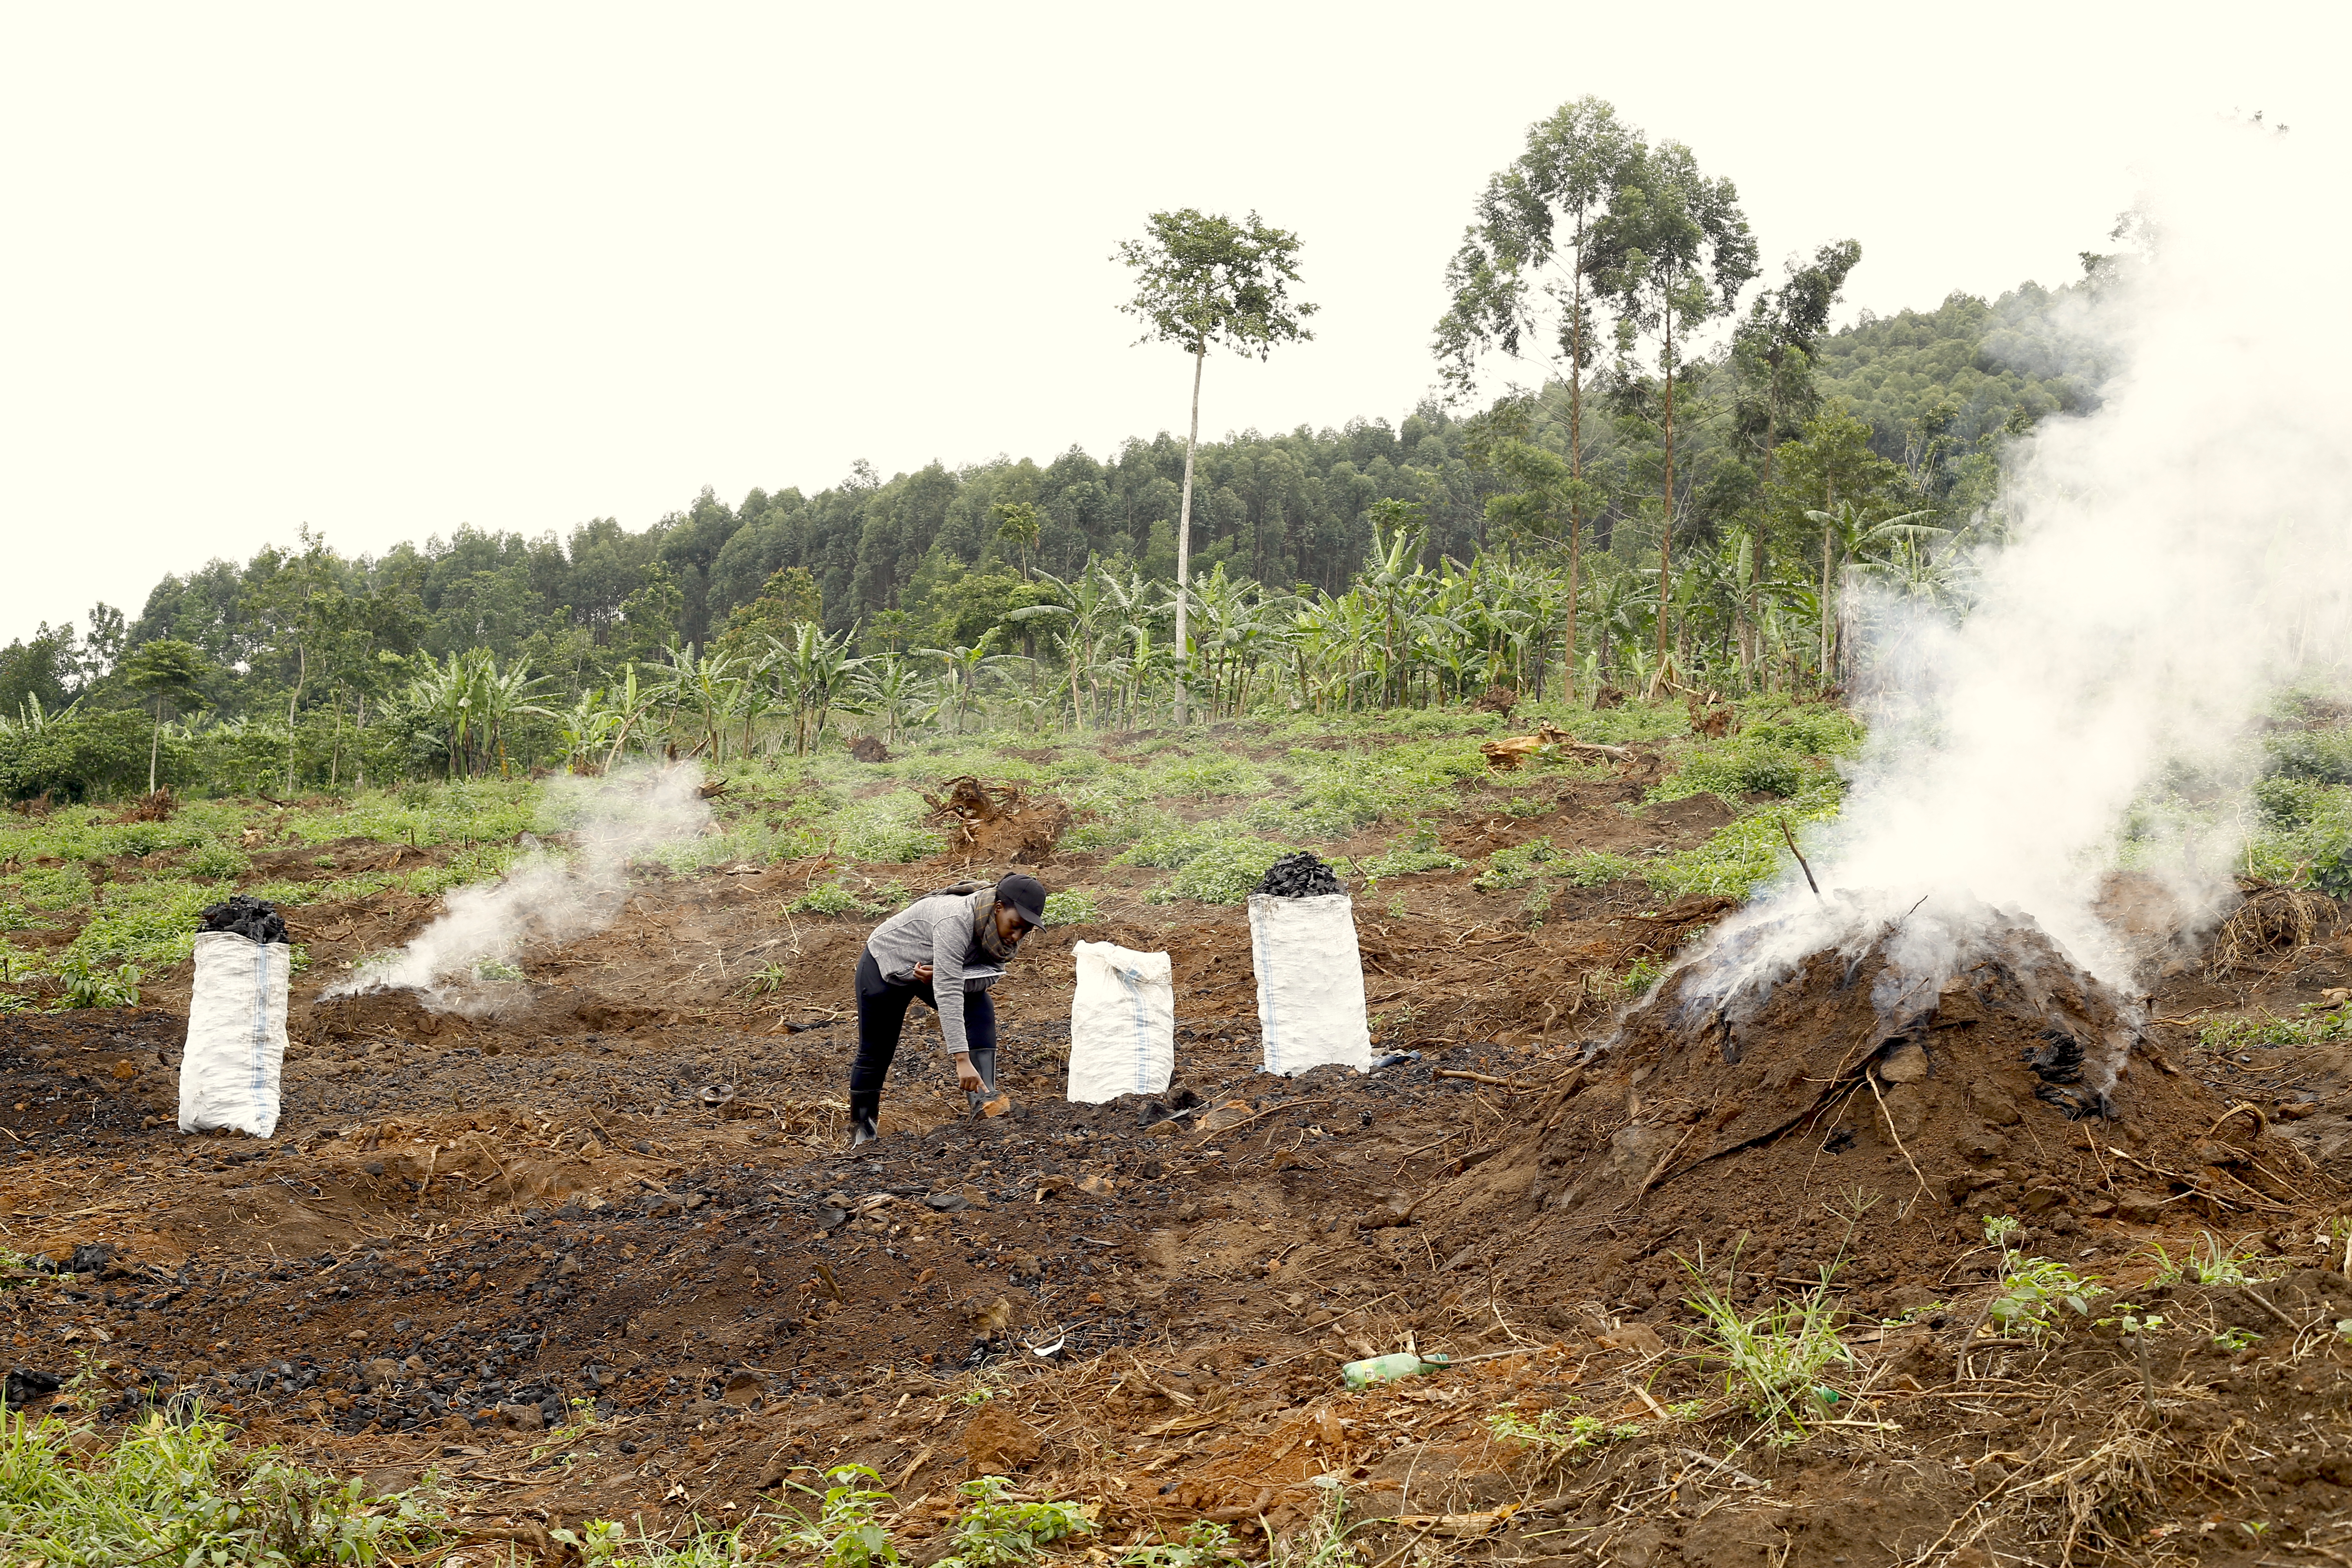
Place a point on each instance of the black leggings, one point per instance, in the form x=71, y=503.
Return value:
x=882, y=1015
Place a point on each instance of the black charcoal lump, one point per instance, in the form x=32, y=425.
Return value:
x=249, y=918
x=1300, y=876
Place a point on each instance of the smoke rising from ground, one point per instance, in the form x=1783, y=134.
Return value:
x=2173, y=559
x=550, y=895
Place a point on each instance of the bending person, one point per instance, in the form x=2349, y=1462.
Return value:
x=945, y=951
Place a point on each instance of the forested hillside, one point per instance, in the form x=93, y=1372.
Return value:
x=1936, y=389
x=1686, y=483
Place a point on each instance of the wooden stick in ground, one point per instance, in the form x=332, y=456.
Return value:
x=1800, y=854
x=1868, y=1078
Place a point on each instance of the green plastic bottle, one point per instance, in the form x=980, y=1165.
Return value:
x=1388, y=1368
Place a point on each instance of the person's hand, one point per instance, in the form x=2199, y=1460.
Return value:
x=923, y=972
x=967, y=1076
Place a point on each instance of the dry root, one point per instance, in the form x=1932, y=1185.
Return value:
x=2272, y=918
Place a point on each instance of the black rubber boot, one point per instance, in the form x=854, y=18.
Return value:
x=865, y=1113
x=983, y=1062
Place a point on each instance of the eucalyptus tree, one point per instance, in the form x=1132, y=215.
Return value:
x=1018, y=522
x=1519, y=283
x=1772, y=354
x=170, y=673
x=1203, y=280
x=1672, y=253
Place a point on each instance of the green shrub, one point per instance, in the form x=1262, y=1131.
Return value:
x=1595, y=868
x=180, y=1493
x=1417, y=851
x=886, y=829
x=1742, y=853
x=828, y=898
x=1227, y=872
x=86, y=985
x=2321, y=756
x=1178, y=844
x=1211, y=774
x=217, y=863
x=55, y=887
x=73, y=759
x=1071, y=907
x=1514, y=867
x=2283, y=802
x=152, y=923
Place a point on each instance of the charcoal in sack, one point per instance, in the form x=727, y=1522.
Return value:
x=1300, y=876
x=255, y=919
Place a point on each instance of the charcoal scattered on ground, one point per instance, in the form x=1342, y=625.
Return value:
x=251, y=918
x=1300, y=876
x=25, y=1385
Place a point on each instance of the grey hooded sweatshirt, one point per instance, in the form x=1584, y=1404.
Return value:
x=937, y=930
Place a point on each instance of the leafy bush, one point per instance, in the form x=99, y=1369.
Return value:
x=1227, y=872
x=73, y=759
x=2320, y=756
x=1071, y=907
x=1417, y=851
x=828, y=898
x=1594, y=868
x=2033, y=1291
x=1177, y=845
x=2332, y=873
x=179, y=1493
x=86, y=985
x=888, y=829
x=1514, y=867
x=217, y=863
x=997, y=1530
x=152, y=923
x=1742, y=853
x=1810, y=730
x=2287, y=803
x=1211, y=774
x=2313, y=1024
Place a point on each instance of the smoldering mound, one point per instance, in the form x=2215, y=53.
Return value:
x=1907, y=1081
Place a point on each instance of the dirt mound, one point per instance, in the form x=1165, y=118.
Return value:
x=998, y=824
x=1909, y=1079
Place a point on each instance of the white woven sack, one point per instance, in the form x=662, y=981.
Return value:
x=1122, y=1023
x=237, y=1035
x=1310, y=982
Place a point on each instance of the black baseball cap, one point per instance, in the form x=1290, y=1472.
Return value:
x=1024, y=896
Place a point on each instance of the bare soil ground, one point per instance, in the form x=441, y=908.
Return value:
x=618, y=1187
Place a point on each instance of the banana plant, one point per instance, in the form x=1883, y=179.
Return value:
x=813, y=673
x=890, y=687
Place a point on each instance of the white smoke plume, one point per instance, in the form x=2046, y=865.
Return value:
x=549, y=896
x=2175, y=557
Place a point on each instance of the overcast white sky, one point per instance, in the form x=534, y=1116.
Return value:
x=387, y=271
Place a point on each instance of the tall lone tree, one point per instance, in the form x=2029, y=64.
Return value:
x=1203, y=280
x=1520, y=280
x=1673, y=253
x=167, y=672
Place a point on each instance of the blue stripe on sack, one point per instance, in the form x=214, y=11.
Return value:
x=1265, y=999
x=1128, y=977
x=260, y=1020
